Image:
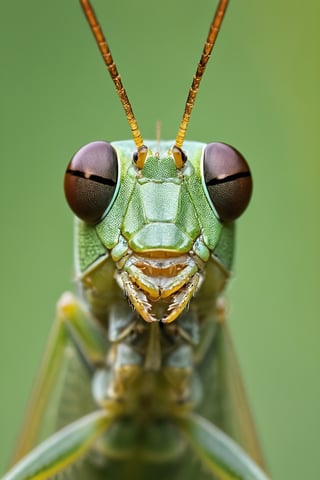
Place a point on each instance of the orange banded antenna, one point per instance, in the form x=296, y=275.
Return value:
x=207, y=49
x=112, y=68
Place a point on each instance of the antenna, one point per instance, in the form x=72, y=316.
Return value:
x=112, y=68
x=207, y=49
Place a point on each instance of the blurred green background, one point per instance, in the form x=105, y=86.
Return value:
x=260, y=93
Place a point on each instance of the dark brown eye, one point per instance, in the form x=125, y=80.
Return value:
x=90, y=180
x=228, y=180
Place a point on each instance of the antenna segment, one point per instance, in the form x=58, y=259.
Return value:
x=207, y=49
x=112, y=68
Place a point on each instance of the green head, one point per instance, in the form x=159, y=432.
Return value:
x=162, y=214
x=160, y=220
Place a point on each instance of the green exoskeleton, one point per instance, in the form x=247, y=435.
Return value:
x=139, y=379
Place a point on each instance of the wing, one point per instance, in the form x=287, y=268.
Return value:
x=62, y=392
x=225, y=401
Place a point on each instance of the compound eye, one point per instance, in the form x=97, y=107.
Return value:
x=90, y=181
x=228, y=180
